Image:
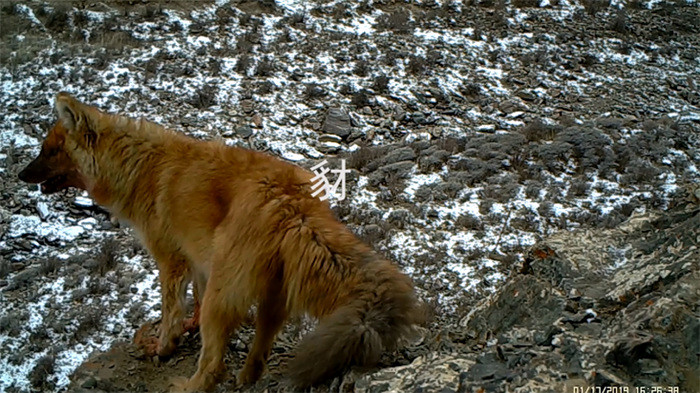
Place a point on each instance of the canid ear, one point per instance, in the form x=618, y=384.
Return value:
x=74, y=117
x=69, y=110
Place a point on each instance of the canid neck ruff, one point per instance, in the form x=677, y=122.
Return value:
x=128, y=157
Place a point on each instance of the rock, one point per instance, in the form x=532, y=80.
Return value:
x=488, y=128
x=83, y=202
x=106, y=225
x=43, y=209
x=373, y=231
x=244, y=131
x=329, y=138
x=90, y=263
x=247, y=106
x=396, y=170
x=418, y=117
x=328, y=147
x=337, y=122
x=401, y=154
x=257, y=120
x=399, y=113
x=89, y=383
x=433, y=373
x=526, y=95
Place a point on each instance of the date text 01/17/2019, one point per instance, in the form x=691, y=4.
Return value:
x=626, y=389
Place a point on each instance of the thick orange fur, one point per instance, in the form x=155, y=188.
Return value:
x=243, y=226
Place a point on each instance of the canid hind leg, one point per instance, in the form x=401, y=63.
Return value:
x=271, y=316
x=221, y=313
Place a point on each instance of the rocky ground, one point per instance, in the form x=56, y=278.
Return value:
x=532, y=165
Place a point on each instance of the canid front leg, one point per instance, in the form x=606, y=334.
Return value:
x=174, y=278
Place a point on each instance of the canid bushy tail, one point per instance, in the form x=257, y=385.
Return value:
x=382, y=309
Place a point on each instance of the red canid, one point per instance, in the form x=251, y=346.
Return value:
x=244, y=228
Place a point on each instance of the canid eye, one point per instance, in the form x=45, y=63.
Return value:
x=49, y=151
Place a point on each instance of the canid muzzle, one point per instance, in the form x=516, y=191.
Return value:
x=51, y=180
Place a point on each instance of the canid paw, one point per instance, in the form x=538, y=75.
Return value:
x=190, y=324
x=151, y=345
x=194, y=384
x=144, y=339
x=251, y=373
x=179, y=385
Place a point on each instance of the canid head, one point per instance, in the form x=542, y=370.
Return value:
x=64, y=160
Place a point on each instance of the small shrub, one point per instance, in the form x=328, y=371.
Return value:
x=469, y=222
x=578, y=188
x=525, y=3
x=107, y=256
x=592, y=7
x=4, y=268
x=296, y=20
x=205, y=97
x=80, y=19
x=11, y=324
x=624, y=48
x=314, y=90
x=429, y=163
x=9, y=8
x=532, y=189
x=243, y=64
x=215, y=66
x=97, y=287
x=589, y=60
x=245, y=43
x=396, y=182
x=381, y=84
x=501, y=193
x=49, y=265
x=485, y=206
x=619, y=22
x=361, y=68
x=451, y=189
x=399, y=218
x=417, y=65
x=366, y=154
x=89, y=322
x=152, y=11
x=611, y=220
x=451, y=144
x=546, y=209
x=526, y=220
x=640, y=172
x=360, y=99
x=399, y=22
x=627, y=209
x=265, y=68
x=474, y=171
x=57, y=21
x=537, y=130
x=470, y=90
x=44, y=367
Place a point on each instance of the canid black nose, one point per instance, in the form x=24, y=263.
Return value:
x=23, y=175
x=30, y=173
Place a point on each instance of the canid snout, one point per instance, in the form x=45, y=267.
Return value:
x=35, y=172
